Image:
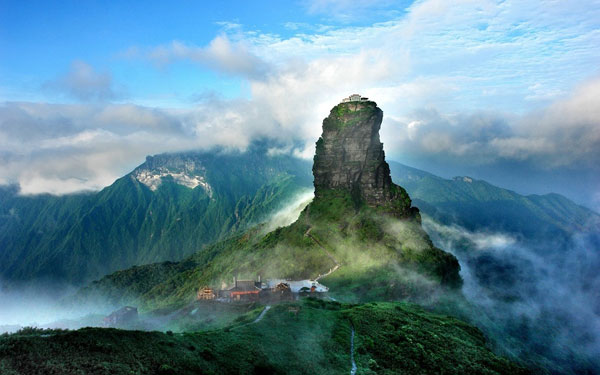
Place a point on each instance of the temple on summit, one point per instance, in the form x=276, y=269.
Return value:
x=355, y=98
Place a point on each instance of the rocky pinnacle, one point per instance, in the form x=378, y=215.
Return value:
x=349, y=156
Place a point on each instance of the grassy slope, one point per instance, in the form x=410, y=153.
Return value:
x=380, y=257
x=84, y=236
x=81, y=237
x=391, y=338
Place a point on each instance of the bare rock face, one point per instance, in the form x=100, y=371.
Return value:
x=349, y=155
x=185, y=170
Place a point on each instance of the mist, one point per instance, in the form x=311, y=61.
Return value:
x=290, y=211
x=48, y=304
x=45, y=305
x=537, y=302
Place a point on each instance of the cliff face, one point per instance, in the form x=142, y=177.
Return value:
x=349, y=156
x=347, y=236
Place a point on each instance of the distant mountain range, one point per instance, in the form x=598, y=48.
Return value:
x=478, y=205
x=174, y=204
x=166, y=209
x=189, y=222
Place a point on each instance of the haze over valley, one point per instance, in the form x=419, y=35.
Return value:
x=323, y=186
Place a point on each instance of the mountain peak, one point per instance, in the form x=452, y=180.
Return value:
x=183, y=168
x=349, y=156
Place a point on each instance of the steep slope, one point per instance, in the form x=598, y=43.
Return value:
x=49, y=237
x=478, y=205
x=361, y=234
x=350, y=157
x=389, y=338
x=529, y=262
x=166, y=209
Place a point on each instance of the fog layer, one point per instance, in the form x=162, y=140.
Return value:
x=539, y=302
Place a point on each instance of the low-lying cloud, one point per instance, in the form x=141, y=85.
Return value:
x=41, y=304
x=534, y=301
x=290, y=212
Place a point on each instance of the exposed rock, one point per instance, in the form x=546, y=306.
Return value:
x=184, y=171
x=349, y=155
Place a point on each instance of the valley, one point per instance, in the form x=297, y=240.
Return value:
x=365, y=187
x=357, y=244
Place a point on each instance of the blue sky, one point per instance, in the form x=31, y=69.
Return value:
x=502, y=90
x=40, y=40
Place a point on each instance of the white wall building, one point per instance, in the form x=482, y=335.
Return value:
x=296, y=285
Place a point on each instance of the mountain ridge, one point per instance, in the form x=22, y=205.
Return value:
x=479, y=205
x=48, y=218
x=356, y=233
x=78, y=238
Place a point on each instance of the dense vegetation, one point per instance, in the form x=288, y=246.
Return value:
x=349, y=114
x=378, y=258
x=78, y=238
x=390, y=338
x=478, y=205
x=81, y=237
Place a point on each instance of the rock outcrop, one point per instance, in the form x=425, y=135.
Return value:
x=349, y=155
x=184, y=169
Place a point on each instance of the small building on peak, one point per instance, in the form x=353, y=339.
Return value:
x=355, y=98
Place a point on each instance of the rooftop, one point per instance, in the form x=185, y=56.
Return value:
x=355, y=98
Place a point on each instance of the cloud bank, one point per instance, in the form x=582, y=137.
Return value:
x=221, y=55
x=495, y=89
x=65, y=148
x=565, y=133
x=524, y=294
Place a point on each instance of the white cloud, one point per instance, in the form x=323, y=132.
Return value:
x=453, y=80
x=65, y=148
x=83, y=82
x=221, y=55
x=348, y=10
x=565, y=133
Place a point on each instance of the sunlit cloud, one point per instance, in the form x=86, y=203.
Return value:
x=472, y=82
x=221, y=55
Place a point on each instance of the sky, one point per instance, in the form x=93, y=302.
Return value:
x=506, y=91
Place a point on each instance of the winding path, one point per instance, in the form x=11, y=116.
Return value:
x=335, y=268
x=262, y=314
x=337, y=264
